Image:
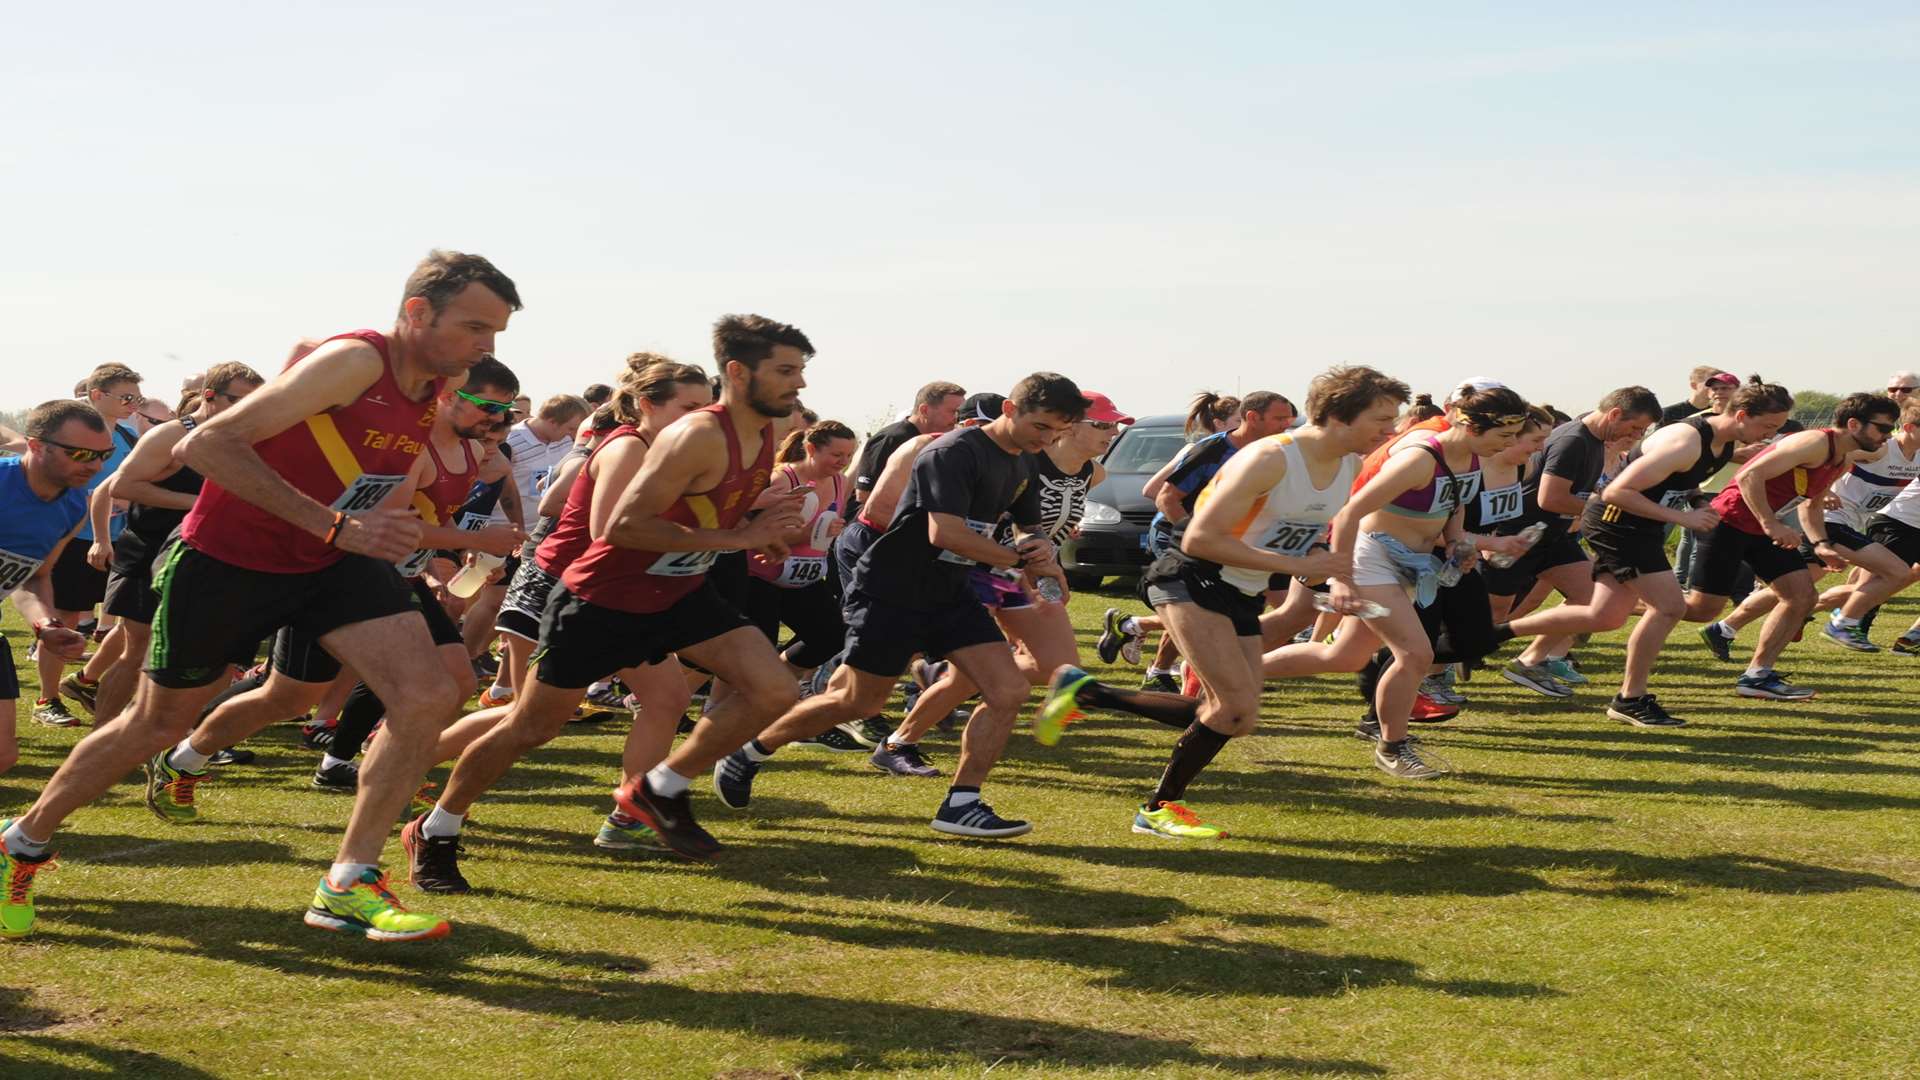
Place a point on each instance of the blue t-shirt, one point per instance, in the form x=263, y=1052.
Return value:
x=29, y=525
x=123, y=438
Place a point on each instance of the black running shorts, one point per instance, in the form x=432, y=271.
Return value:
x=526, y=602
x=298, y=655
x=212, y=613
x=1176, y=579
x=131, y=596
x=1841, y=535
x=581, y=642
x=77, y=586
x=1896, y=536
x=1515, y=580
x=9, y=678
x=1627, y=553
x=1720, y=552
x=882, y=637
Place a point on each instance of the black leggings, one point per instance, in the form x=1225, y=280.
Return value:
x=1460, y=623
x=812, y=613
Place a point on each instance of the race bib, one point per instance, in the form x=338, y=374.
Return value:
x=1676, y=500
x=415, y=564
x=367, y=491
x=1294, y=538
x=1452, y=492
x=800, y=571
x=984, y=528
x=1788, y=506
x=15, y=570
x=683, y=563
x=1878, y=500
x=1500, y=504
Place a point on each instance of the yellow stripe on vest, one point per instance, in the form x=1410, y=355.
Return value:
x=334, y=448
x=703, y=511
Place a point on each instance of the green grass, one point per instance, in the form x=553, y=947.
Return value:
x=1584, y=898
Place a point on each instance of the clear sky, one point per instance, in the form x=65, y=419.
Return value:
x=1151, y=198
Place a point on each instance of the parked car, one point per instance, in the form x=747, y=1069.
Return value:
x=1111, y=540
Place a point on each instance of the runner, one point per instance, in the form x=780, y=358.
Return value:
x=42, y=503
x=1266, y=512
x=800, y=590
x=1795, y=470
x=161, y=492
x=936, y=408
x=640, y=593
x=286, y=530
x=1627, y=529
x=913, y=592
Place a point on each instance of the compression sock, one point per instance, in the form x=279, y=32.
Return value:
x=1194, y=752
x=362, y=710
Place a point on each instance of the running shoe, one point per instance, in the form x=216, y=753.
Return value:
x=1369, y=729
x=486, y=665
x=170, y=790
x=1428, y=711
x=1642, y=711
x=1062, y=706
x=1435, y=689
x=1772, y=686
x=733, y=779
x=343, y=778
x=85, y=693
x=1563, y=669
x=874, y=731
x=1174, y=821
x=316, y=736
x=1189, y=681
x=610, y=696
x=16, y=887
x=1719, y=644
x=1847, y=637
x=1403, y=760
x=370, y=908
x=1115, y=642
x=433, y=862
x=1161, y=682
x=1536, y=678
x=232, y=756
x=839, y=740
x=621, y=833
x=902, y=759
x=54, y=713
x=976, y=819
x=495, y=695
x=1907, y=645
x=669, y=816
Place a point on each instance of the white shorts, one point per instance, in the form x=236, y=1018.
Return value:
x=1372, y=565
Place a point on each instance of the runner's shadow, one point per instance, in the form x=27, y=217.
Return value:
x=1707, y=790
x=183, y=847
x=102, y=1060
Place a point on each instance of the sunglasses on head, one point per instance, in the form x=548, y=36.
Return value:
x=81, y=454
x=485, y=405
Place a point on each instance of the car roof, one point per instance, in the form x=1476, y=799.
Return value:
x=1164, y=420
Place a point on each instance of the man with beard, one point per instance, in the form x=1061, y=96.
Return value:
x=660, y=517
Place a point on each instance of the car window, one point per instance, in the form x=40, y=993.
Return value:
x=1144, y=450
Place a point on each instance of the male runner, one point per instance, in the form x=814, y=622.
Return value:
x=1266, y=512
x=660, y=516
x=1627, y=531
x=1795, y=470
x=913, y=592
x=286, y=533
x=42, y=503
x=936, y=408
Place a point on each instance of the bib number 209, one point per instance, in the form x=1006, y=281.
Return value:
x=683, y=563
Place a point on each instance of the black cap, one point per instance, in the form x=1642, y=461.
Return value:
x=984, y=408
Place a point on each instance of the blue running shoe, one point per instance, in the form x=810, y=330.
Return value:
x=733, y=779
x=1772, y=686
x=976, y=819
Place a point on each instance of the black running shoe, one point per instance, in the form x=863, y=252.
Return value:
x=1110, y=637
x=670, y=818
x=902, y=759
x=344, y=778
x=733, y=779
x=976, y=819
x=486, y=665
x=1719, y=644
x=1642, y=711
x=433, y=862
x=1161, y=682
x=1368, y=728
x=316, y=736
x=232, y=756
x=836, y=739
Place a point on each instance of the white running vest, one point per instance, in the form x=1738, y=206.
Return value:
x=1875, y=487
x=1292, y=517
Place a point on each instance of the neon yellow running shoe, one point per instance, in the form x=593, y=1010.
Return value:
x=371, y=908
x=1062, y=706
x=16, y=888
x=170, y=790
x=1175, y=822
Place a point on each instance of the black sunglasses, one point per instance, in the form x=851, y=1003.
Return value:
x=1885, y=428
x=81, y=454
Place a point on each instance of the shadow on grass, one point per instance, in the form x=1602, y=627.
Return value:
x=488, y=966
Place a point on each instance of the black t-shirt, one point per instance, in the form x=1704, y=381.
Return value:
x=963, y=473
x=873, y=458
x=1679, y=411
x=1571, y=453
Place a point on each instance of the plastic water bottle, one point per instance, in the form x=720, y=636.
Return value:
x=1531, y=534
x=1048, y=590
x=1368, y=609
x=475, y=574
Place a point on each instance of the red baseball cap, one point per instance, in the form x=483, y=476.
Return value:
x=1100, y=407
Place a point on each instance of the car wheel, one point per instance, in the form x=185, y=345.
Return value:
x=1080, y=580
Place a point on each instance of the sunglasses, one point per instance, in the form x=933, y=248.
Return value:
x=81, y=454
x=129, y=399
x=1100, y=425
x=1902, y=389
x=485, y=405
x=1885, y=429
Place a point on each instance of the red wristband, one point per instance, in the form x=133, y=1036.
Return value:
x=339, y=517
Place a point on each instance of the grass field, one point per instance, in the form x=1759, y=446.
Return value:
x=1582, y=899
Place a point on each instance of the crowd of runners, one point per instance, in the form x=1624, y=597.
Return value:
x=394, y=526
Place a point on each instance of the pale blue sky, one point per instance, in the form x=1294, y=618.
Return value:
x=1149, y=198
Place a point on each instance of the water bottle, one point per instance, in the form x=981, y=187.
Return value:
x=475, y=574
x=1531, y=534
x=1048, y=590
x=1368, y=609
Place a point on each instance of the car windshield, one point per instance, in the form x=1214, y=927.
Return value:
x=1144, y=450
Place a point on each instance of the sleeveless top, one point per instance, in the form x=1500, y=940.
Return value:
x=567, y=533
x=1446, y=492
x=1673, y=493
x=1783, y=492
x=1496, y=506
x=350, y=458
x=1290, y=518
x=805, y=565
x=149, y=526
x=1871, y=486
x=643, y=582
x=30, y=526
x=441, y=502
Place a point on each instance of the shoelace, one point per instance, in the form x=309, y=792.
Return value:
x=1179, y=810
x=182, y=788
x=22, y=880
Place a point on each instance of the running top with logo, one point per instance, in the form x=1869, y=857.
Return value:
x=149, y=526
x=1784, y=492
x=1571, y=453
x=1063, y=501
x=123, y=440
x=567, y=534
x=350, y=457
x=1871, y=486
x=442, y=502
x=1439, y=497
x=805, y=565
x=31, y=526
x=963, y=473
x=534, y=459
x=1288, y=520
x=1674, y=492
x=643, y=582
